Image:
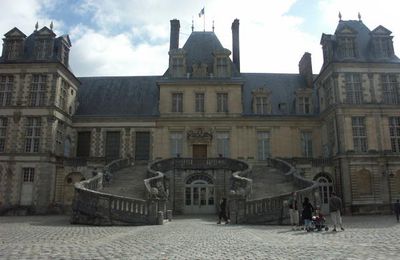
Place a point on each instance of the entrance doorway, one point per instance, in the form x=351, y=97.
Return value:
x=199, y=195
x=325, y=190
x=142, y=146
x=199, y=151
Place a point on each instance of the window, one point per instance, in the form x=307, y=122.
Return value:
x=330, y=126
x=42, y=48
x=306, y=144
x=177, y=62
x=3, y=132
x=176, y=144
x=394, y=131
x=113, y=141
x=6, y=86
x=63, y=95
x=359, y=134
x=14, y=49
x=28, y=174
x=223, y=144
x=263, y=145
x=381, y=46
x=177, y=102
x=37, y=92
x=59, y=138
x=83, y=147
x=304, y=105
x=261, y=105
x=32, y=134
x=64, y=55
x=346, y=47
x=222, y=102
x=199, y=102
x=389, y=89
x=354, y=93
x=222, y=66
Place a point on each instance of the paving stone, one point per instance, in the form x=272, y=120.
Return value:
x=52, y=237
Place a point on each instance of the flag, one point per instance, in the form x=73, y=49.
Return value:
x=201, y=12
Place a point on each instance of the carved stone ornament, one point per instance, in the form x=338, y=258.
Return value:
x=199, y=135
x=17, y=116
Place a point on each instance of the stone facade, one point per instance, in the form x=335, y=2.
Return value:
x=340, y=127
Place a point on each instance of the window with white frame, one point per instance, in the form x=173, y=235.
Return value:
x=3, y=133
x=6, y=87
x=261, y=105
x=306, y=144
x=394, y=131
x=390, y=85
x=223, y=144
x=304, y=105
x=28, y=174
x=359, y=134
x=199, y=102
x=63, y=95
x=263, y=145
x=222, y=102
x=354, y=94
x=37, y=93
x=176, y=144
x=32, y=134
x=177, y=102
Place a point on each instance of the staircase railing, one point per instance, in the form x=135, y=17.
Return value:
x=91, y=206
x=156, y=184
x=273, y=209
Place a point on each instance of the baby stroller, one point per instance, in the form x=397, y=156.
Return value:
x=318, y=223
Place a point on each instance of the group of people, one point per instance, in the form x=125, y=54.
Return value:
x=335, y=207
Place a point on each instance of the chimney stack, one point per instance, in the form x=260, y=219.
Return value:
x=174, y=37
x=235, y=44
x=305, y=69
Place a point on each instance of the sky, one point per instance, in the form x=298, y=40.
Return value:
x=131, y=37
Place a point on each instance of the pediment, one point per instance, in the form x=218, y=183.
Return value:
x=346, y=30
x=381, y=31
x=15, y=33
x=45, y=32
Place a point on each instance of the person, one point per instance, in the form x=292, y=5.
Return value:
x=335, y=206
x=223, y=211
x=319, y=219
x=397, y=210
x=307, y=213
x=293, y=211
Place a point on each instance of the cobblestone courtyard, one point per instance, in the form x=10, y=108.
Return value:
x=52, y=237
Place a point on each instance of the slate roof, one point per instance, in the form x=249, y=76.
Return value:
x=118, y=96
x=282, y=87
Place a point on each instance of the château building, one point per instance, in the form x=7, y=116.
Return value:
x=340, y=127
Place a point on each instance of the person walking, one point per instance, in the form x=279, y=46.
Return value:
x=335, y=206
x=397, y=210
x=223, y=211
x=307, y=213
x=293, y=211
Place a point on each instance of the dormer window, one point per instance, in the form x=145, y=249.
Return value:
x=42, y=49
x=14, y=49
x=222, y=68
x=382, y=43
x=177, y=64
x=65, y=55
x=347, y=47
x=261, y=101
x=303, y=101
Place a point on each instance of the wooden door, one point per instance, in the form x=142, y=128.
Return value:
x=142, y=146
x=199, y=151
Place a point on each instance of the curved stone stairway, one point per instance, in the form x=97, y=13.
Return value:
x=269, y=182
x=128, y=182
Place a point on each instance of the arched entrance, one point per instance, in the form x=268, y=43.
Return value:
x=199, y=195
x=69, y=181
x=325, y=190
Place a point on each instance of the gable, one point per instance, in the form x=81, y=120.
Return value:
x=15, y=33
x=45, y=32
x=346, y=30
x=381, y=31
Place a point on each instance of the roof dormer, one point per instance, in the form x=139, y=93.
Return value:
x=177, y=63
x=13, y=44
x=382, y=43
x=346, y=43
x=44, y=44
x=222, y=63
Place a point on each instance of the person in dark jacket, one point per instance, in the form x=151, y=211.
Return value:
x=397, y=210
x=335, y=206
x=307, y=213
x=223, y=211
